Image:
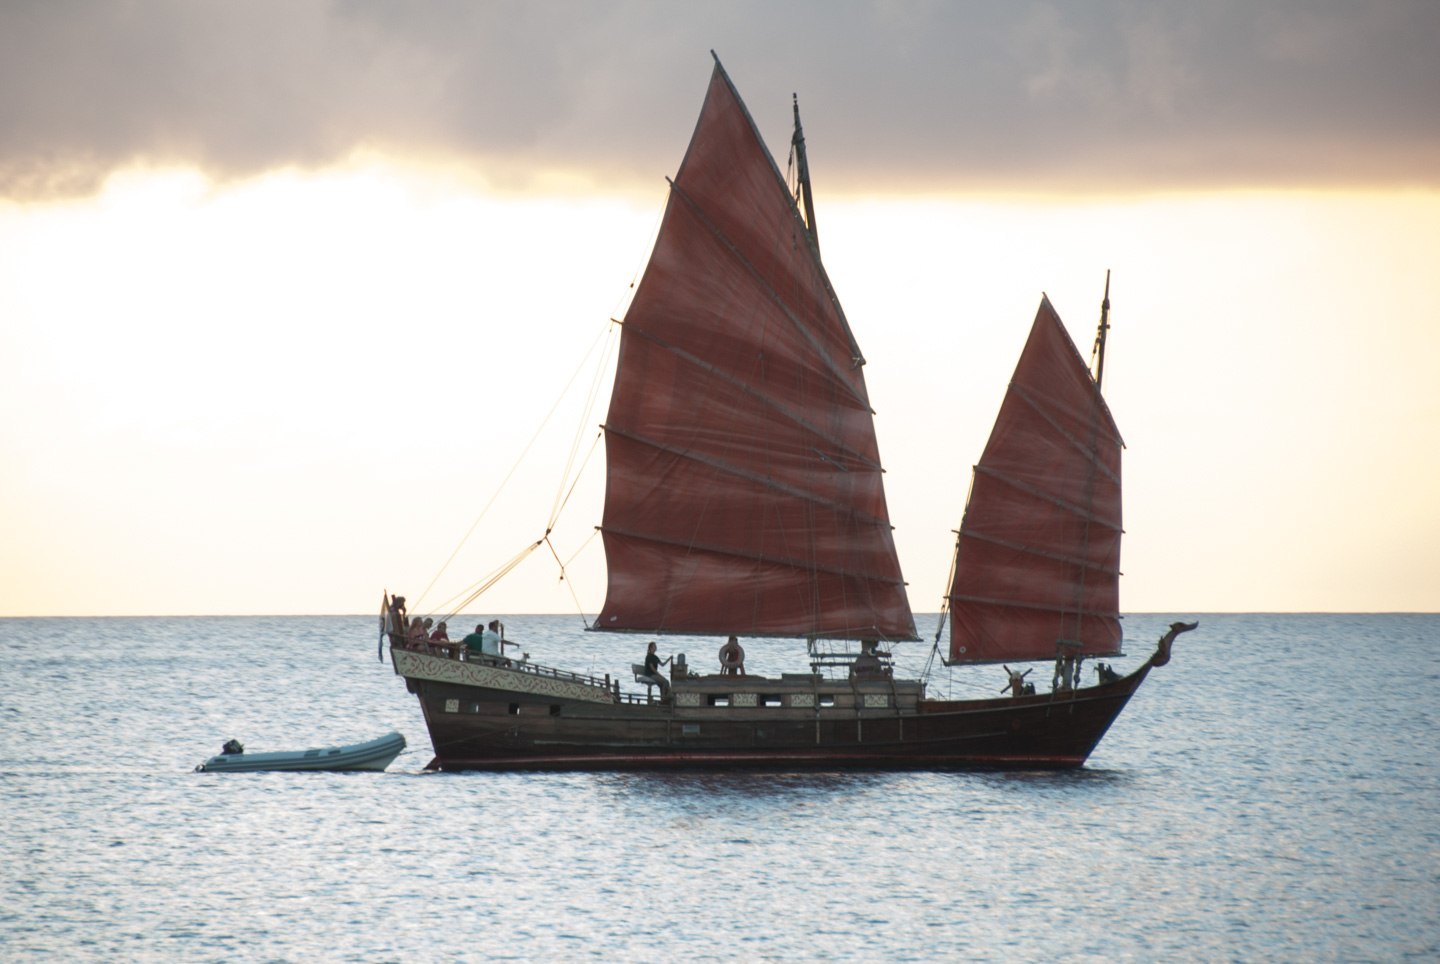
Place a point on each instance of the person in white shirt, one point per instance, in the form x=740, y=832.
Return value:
x=494, y=639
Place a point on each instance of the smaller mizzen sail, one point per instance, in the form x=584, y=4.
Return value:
x=1037, y=564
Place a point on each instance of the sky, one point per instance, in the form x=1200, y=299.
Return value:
x=287, y=289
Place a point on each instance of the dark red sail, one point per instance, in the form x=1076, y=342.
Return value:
x=1037, y=568
x=744, y=491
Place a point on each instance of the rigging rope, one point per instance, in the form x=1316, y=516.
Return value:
x=949, y=588
x=596, y=383
x=578, y=474
x=568, y=584
x=606, y=335
x=525, y=452
x=495, y=576
x=954, y=562
x=587, y=541
x=629, y=294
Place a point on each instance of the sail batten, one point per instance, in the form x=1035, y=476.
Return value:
x=857, y=358
x=1047, y=497
x=1058, y=557
x=1037, y=564
x=753, y=556
x=740, y=386
x=775, y=296
x=1040, y=607
x=1088, y=454
x=744, y=489
x=755, y=477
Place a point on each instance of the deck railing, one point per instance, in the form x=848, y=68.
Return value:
x=456, y=651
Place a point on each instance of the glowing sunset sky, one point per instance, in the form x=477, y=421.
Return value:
x=286, y=288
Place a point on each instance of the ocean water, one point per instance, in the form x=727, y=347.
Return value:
x=1271, y=795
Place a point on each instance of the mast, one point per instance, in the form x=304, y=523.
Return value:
x=1093, y=438
x=802, y=172
x=1100, y=335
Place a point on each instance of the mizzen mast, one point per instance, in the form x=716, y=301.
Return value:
x=1099, y=351
x=802, y=173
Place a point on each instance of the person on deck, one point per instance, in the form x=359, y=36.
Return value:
x=494, y=639
x=396, y=624
x=475, y=642
x=732, y=658
x=417, y=635
x=653, y=662
x=868, y=665
x=1064, y=677
x=440, y=635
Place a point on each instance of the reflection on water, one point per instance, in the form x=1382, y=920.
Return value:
x=1267, y=796
x=736, y=787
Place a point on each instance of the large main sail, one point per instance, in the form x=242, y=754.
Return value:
x=744, y=491
x=1037, y=566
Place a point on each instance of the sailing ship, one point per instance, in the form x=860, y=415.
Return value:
x=745, y=498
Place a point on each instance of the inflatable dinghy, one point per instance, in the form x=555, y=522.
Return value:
x=375, y=755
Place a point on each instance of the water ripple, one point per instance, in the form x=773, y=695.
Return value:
x=1271, y=795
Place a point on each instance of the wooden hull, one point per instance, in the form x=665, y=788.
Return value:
x=872, y=725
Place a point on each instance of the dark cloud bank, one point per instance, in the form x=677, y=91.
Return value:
x=897, y=97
